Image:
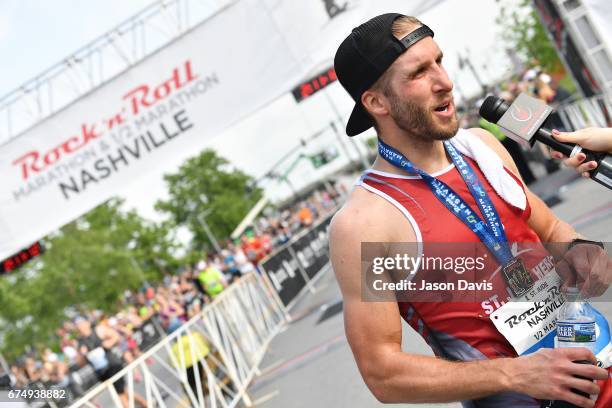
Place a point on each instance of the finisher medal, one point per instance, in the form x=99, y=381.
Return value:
x=517, y=277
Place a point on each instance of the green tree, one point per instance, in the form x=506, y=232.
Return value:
x=87, y=264
x=206, y=185
x=524, y=32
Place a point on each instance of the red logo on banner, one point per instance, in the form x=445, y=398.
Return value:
x=139, y=98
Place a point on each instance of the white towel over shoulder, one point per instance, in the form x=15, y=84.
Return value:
x=492, y=167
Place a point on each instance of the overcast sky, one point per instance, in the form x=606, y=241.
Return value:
x=37, y=34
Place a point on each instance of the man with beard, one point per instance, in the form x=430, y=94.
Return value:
x=432, y=182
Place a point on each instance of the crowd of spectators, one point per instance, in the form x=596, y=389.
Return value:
x=100, y=344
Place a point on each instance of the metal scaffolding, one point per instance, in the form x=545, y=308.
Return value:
x=101, y=60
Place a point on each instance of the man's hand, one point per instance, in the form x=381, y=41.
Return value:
x=587, y=267
x=549, y=374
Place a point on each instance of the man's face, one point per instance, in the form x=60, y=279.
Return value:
x=419, y=93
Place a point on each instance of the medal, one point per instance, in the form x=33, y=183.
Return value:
x=517, y=277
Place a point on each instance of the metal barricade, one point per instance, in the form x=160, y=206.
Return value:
x=208, y=362
x=595, y=111
x=292, y=268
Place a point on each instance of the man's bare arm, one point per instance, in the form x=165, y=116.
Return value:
x=373, y=331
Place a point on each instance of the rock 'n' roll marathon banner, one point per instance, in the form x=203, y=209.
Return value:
x=166, y=108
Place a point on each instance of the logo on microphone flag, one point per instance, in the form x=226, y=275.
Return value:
x=521, y=114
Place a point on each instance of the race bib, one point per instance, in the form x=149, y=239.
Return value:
x=529, y=322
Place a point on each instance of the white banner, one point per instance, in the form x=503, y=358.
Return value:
x=168, y=107
x=164, y=108
x=315, y=28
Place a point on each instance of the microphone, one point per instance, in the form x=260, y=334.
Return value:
x=523, y=121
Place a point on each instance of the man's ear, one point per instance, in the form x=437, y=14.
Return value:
x=375, y=103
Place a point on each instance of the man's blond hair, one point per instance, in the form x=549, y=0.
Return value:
x=404, y=25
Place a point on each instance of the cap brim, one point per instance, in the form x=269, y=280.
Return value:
x=359, y=122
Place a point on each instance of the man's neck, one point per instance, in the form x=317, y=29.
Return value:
x=429, y=156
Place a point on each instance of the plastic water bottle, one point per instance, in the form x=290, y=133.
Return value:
x=576, y=323
x=575, y=328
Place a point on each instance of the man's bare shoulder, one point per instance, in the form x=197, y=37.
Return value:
x=370, y=218
x=365, y=217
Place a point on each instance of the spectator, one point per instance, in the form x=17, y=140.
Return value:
x=212, y=281
x=230, y=266
x=251, y=246
x=91, y=345
x=20, y=379
x=305, y=215
x=170, y=312
x=242, y=262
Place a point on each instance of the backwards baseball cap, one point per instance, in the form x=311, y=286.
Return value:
x=365, y=55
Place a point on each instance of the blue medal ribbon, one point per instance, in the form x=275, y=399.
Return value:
x=491, y=232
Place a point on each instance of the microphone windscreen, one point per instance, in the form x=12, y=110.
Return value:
x=489, y=109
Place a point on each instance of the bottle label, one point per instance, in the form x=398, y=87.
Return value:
x=575, y=332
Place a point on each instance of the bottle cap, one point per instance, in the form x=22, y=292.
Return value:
x=572, y=290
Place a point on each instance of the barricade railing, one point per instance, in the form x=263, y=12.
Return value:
x=208, y=362
x=595, y=111
x=292, y=268
x=228, y=339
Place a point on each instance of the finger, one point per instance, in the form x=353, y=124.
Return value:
x=567, y=275
x=575, y=399
x=586, y=386
x=589, y=371
x=578, y=354
x=586, y=175
x=587, y=280
x=584, y=287
x=556, y=155
x=588, y=166
x=578, y=259
x=572, y=162
x=600, y=276
x=572, y=137
x=564, y=136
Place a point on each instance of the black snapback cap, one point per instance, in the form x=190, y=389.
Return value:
x=362, y=58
